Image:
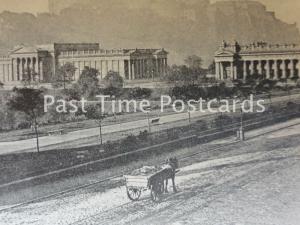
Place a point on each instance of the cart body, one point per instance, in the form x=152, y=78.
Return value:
x=135, y=184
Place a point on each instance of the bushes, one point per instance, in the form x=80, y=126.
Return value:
x=195, y=92
x=139, y=93
x=201, y=125
x=223, y=120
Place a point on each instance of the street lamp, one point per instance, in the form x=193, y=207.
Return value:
x=149, y=125
x=241, y=132
x=189, y=115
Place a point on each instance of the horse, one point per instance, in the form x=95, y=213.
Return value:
x=170, y=170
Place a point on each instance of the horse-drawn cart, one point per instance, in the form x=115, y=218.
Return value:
x=154, y=179
x=135, y=185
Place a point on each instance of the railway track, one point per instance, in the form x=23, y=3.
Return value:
x=183, y=157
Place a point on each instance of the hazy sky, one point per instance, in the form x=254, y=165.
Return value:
x=287, y=10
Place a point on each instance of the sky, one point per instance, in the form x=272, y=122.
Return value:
x=286, y=10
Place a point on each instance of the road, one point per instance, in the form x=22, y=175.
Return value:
x=30, y=144
x=254, y=182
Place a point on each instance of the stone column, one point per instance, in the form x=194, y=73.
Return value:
x=29, y=72
x=9, y=72
x=162, y=65
x=232, y=71
x=36, y=68
x=122, y=68
x=218, y=76
x=283, y=69
x=166, y=63
x=21, y=69
x=292, y=68
x=15, y=69
x=2, y=73
x=268, y=72
x=26, y=68
x=244, y=70
x=222, y=70
x=136, y=69
x=235, y=72
x=130, y=69
x=41, y=69
x=32, y=69
x=298, y=67
x=251, y=67
x=140, y=69
x=276, y=69
x=133, y=70
x=143, y=68
x=157, y=67
x=259, y=67
x=19, y=63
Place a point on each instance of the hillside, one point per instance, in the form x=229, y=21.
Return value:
x=182, y=27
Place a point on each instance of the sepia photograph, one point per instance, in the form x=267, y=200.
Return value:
x=149, y=112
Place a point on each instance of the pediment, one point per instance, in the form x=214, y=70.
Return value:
x=24, y=50
x=224, y=53
x=161, y=52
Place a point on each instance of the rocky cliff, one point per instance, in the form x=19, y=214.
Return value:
x=182, y=26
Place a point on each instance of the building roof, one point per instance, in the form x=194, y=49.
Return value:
x=22, y=49
x=255, y=48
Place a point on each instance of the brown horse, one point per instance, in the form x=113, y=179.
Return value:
x=170, y=171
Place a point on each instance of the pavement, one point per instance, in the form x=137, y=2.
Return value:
x=30, y=144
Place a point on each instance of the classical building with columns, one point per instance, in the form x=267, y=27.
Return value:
x=234, y=61
x=40, y=63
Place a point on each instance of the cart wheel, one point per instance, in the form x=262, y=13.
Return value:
x=133, y=193
x=156, y=192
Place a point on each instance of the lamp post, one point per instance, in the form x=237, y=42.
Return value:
x=242, y=132
x=189, y=115
x=100, y=131
x=149, y=125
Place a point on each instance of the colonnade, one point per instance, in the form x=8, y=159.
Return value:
x=142, y=68
x=30, y=68
x=269, y=68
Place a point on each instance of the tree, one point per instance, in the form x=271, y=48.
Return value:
x=113, y=84
x=64, y=75
x=31, y=102
x=193, y=62
x=29, y=78
x=196, y=71
x=139, y=93
x=95, y=112
x=265, y=85
x=113, y=79
x=88, y=83
x=173, y=74
x=212, y=68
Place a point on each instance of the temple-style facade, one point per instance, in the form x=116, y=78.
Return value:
x=40, y=63
x=270, y=61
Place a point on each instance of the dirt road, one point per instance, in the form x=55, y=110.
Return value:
x=255, y=182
